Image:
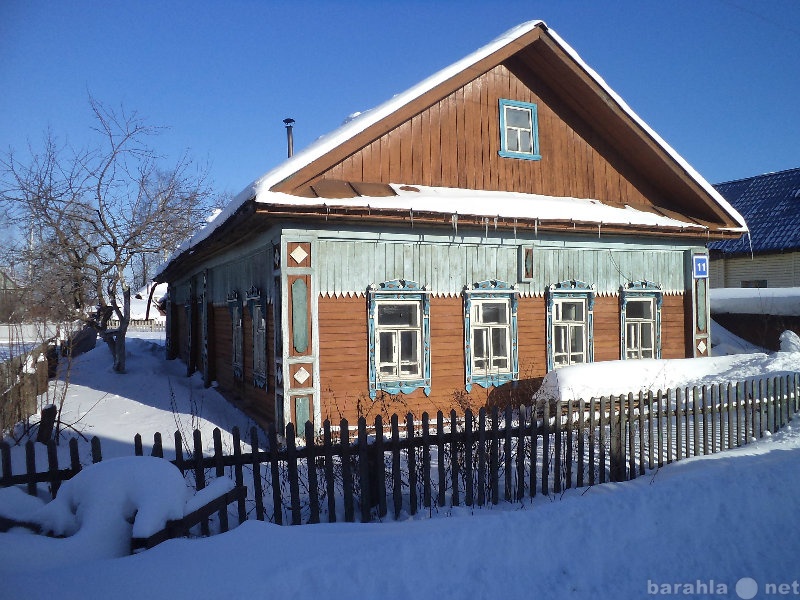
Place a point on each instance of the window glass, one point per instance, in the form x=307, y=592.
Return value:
x=494, y=312
x=518, y=117
x=639, y=309
x=402, y=314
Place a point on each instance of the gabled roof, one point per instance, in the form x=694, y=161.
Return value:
x=771, y=205
x=539, y=49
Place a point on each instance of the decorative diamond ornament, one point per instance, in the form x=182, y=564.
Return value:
x=702, y=347
x=298, y=254
x=302, y=375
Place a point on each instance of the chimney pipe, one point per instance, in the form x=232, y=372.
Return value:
x=289, y=136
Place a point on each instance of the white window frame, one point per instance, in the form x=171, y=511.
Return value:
x=483, y=370
x=634, y=345
x=557, y=295
x=630, y=328
x=394, y=292
x=397, y=331
x=568, y=326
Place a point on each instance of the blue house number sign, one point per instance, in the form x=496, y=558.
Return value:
x=700, y=264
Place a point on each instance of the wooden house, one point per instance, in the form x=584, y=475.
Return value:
x=770, y=255
x=505, y=217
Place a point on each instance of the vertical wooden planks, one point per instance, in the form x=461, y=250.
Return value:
x=238, y=473
x=256, y=464
x=468, y=468
x=603, y=427
x=440, y=458
x=277, y=502
x=631, y=438
x=454, y=460
x=347, y=471
x=397, y=479
x=291, y=465
x=507, y=458
x=311, y=466
x=426, y=461
x=364, y=482
x=330, y=490
x=482, y=456
x=412, y=464
x=380, y=471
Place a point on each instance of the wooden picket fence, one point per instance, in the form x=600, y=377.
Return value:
x=461, y=460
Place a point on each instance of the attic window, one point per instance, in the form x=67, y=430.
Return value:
x=519, y=130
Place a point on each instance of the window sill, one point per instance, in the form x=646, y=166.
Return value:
x=521, y=155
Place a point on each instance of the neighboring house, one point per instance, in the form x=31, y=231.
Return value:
x=770, y=255
x=503, y=218
x=11, y=308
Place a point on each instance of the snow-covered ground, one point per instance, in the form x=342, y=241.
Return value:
x=722, y=523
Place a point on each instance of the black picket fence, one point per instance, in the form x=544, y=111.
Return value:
x=469, y=460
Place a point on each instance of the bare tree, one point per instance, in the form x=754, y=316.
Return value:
x=91, y=222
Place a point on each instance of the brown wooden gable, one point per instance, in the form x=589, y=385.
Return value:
x=450, y=137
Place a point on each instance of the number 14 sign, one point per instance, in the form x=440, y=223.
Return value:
x=700, y=266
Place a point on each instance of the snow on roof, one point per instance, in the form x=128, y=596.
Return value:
x=481, y=203
x=756, y=301
x=360, y=122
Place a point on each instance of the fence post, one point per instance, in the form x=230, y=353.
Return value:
x=238, y=473
x=5, y=458
x=522, y=422
x=52, y=464
x=199, y=473
x=617, y=453
x=581, y=444
x=558, y=447
x=277, y=502
x=97, y=454
x=258, y=491
x=454, y=497
x=294, y=479
x=397, y=480
x=631, y=437
x=311, y=467
x=379, y=468
x=347, y=474
x=603, y=425
x=412, y=464
x=440, y=495
x=546, y=448
x=468, y=468
x=30, y=466
x=507, y=462
x=426, y=461
x=482, y=456
x=365, y=482
x=330, y=490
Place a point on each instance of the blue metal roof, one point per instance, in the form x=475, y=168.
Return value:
x=771, y=206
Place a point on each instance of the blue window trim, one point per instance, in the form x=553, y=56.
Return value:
x=571, y=289
x=235, y=301
x=490, y=289
x=399, y=289
x=254, y=296
x=534, y=133
x=638, y=290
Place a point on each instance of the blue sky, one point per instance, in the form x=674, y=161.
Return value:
x=717, y=79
